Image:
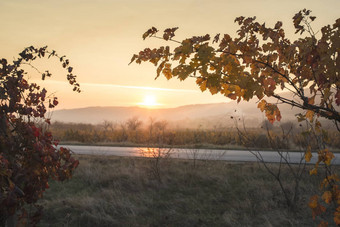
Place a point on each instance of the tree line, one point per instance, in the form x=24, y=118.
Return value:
x=135, y=132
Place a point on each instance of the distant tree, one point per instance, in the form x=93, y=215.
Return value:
x=259, y=62
x=29, y=156
x=160, y=127
x=133, y=125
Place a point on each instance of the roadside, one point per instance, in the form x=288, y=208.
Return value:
x=111, y=191
x=189, y=146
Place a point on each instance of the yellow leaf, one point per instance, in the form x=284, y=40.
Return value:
x=203, y=85
x=314, y=171
x=213, y=90
x=225, y=89
x=328, y=158
x=199, y=80
x=262, y=105
x=324, y=183
x=308, y=155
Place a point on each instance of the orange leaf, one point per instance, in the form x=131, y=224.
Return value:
x=308, y=155
x=314, y=171
x=313, y=201
x=337, y=217
x=327, y=196
x=232, y=96
x=310, y=115
x=326, y=156
x=213, y=90
x=262, y=105
x=311, y=100
x=203, y=85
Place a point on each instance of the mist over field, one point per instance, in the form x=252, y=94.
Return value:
x=189, y=116
x=206, y=116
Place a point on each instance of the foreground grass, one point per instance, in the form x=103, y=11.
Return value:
x=121, y=191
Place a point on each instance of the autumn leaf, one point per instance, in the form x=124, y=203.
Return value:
x=213, y=90
x=169, y=33
x=328, y=157
x=216, y=38
x=160, y=68
x=311, y=100
x=313, y=201
x=314, y=171
x=33, y=151
x=278, y=114
x=262, y=105
x=327, y=196
x=337, y=216
x=308, y=154
x=167, y=71
x=150, y=32
x=317, y=208
x=203, y=85
x=269, y=84
x=205, y=53
x=247, y=59
x=310, y=115
x=232, y=96
x=278, y=25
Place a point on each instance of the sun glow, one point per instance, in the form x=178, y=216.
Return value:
x=149, y=101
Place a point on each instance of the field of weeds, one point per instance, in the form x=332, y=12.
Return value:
x=125, y=191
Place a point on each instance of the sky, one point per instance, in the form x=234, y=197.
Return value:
x=100, y=37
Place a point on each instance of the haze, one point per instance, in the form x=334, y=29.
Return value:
x=99, y=38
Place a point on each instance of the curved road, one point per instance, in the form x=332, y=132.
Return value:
x=204, y=154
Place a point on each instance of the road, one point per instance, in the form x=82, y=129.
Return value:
x=203, y=154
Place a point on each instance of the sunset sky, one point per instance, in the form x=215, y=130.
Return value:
x=100, y=37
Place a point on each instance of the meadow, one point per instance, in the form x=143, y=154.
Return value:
x=124, y=191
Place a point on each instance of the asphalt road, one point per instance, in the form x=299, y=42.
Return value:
x=203, y=154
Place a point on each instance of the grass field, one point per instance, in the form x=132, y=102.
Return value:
x=124, y=191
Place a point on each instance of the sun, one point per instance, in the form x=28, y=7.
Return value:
x=149, y=101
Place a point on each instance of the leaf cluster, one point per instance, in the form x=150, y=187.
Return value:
x=29, y=156
x=259, y=62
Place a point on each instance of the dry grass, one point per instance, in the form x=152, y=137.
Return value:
x=120, y=191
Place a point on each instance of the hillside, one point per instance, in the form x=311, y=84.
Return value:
x=205, y=115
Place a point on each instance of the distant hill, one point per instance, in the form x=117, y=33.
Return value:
x=199, y=115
